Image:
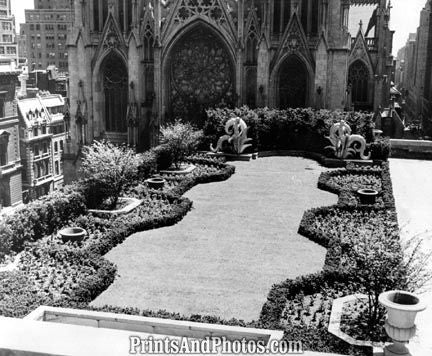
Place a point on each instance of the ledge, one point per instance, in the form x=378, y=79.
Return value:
x=133, y=204
x=335, y=322
x=231, y=156
x=187, y=170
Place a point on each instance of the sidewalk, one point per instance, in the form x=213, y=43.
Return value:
x=412, y=187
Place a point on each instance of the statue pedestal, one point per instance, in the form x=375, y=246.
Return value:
x=232, y=156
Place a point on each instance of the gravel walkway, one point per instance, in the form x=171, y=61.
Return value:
x=224, y=256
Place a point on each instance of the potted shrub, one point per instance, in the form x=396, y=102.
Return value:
x=182, y=139
x=106, y=170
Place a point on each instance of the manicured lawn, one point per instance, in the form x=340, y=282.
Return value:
x=223, y=257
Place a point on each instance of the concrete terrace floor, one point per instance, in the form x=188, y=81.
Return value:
x=224, y=256
x=412, y=186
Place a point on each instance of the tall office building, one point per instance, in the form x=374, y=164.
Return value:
x=46, y=30
x=8, y=42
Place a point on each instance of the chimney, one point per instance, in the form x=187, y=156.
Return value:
x=23, y=77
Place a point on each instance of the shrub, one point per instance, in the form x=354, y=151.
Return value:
x=148, y=164
x=164, y=157
x=291, y=129
x=374, y=262
x=181, y=138
x=40, y=218
x=106, y=170
x=380, y=149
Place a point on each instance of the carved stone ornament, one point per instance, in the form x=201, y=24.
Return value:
x=344, y=144
x=111, y=39
x=236, y=136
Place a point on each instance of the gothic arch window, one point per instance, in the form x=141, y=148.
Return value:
x=251, y=49
x=310, y=16
x=148, y=44
x=100, y=14
x=115, y=85
x=293, y=83
x=201, y=75
x=358, y=79
x=281, y=15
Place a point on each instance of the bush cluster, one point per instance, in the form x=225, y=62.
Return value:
x=40, y=218
x=290, y=129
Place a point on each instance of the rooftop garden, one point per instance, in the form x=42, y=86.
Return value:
x=363, y=251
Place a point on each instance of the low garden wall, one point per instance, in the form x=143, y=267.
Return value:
x=411, y=149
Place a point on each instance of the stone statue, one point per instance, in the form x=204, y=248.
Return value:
x=344, y=144
x=236, y=130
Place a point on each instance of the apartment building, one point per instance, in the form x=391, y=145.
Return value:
x=45, y=30
x=8, y=41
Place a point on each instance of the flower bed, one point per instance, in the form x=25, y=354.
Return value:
x=40, y=218
x=53, y=273
x=302, y=306
x=353, y=181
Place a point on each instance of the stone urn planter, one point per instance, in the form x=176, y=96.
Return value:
x=367, y=196
x=402, y=308
x=73, y=234
x=155, y=182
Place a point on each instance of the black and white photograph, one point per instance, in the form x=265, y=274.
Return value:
x=210, y=177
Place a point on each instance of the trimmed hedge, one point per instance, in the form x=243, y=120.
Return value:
x=335, y=228
x=292, y=129
x=40, y=218
x=58, y=274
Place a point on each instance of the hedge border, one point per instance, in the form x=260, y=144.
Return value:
x=280, y=293
x=99, y=282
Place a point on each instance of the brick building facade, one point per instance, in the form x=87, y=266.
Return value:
x=10, y=161
x=417, y=79
x=8, y=40
x=42, y=143
x=45, y=32
x=136, y=63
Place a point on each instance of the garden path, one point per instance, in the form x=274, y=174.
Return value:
x=412, y=187
x=224, y=256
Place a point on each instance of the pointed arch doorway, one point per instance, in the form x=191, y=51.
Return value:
x=293, y=83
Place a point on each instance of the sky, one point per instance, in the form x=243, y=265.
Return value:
x=405, y=17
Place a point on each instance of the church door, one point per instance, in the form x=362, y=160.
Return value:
x=293, y=83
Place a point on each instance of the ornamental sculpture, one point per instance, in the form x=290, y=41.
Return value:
x=236, y=136
x=344, y=144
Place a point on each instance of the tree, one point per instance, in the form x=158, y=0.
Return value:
x=106, y=170
x=181, y=138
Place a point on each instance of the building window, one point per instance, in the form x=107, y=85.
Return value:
x=4, y=140
x=61, y=145
x=57, y=168
x=358, y=79
x=2, y=50
x=11, y=50
x=3, y=3
x=7, y=26
x=55, y=147
x=31, y=27
x=115, y=79
x=7, y=38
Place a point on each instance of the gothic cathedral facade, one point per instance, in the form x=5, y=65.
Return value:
x=135, y=64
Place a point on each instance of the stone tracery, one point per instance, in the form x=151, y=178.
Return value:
x=201, y=74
